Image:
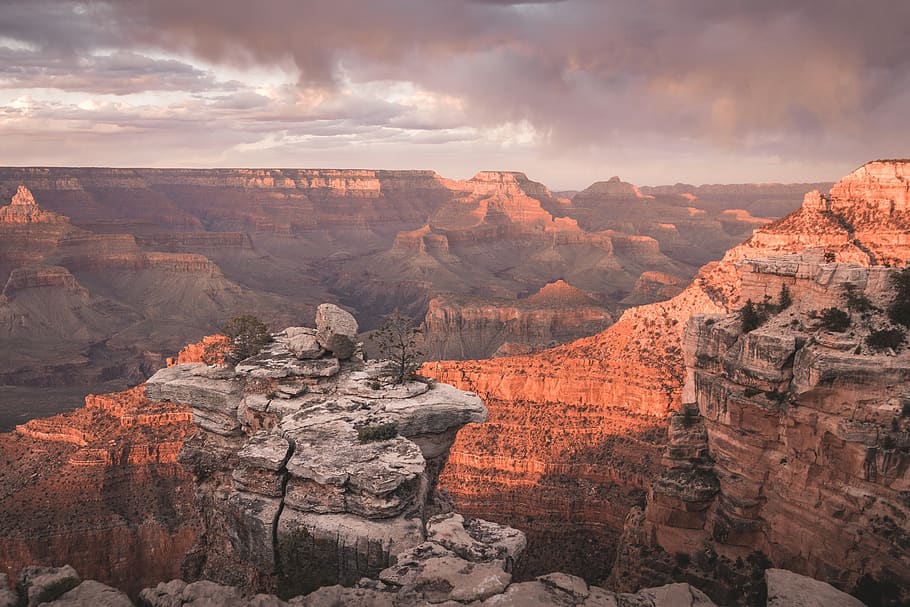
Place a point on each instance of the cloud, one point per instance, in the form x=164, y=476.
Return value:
x=813, y=84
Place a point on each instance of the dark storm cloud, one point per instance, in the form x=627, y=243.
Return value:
x=581, y=70
x=824, y=80
x=119, y=73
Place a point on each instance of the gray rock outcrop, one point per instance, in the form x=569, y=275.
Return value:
x=312, y=467
x=788, y=589
x=336, y=330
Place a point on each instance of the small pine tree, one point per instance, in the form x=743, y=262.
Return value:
x=247, y=335
x=752, y=317
x=899, y=310
x=397, y=339
x=784, y=299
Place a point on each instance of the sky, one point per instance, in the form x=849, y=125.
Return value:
x=569, y=92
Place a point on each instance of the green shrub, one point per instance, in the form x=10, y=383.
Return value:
x=886, y=338
x=835, y=320
x=247, y=335
x=380, y=432
x=855, y=300
x=784, y=300
x=899, y=310
x=752, y=316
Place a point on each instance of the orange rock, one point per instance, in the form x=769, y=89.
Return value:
x=630, y=377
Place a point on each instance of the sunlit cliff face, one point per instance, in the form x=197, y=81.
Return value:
x=633, y=372
x=562, y=89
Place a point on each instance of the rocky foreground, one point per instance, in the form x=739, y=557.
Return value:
x=429, y=575
x=584, y=425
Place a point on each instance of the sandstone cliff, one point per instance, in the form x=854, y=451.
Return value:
x=279, y=241
x=797, y=445
x=458, y=327
x=629, y=376
x=99, y=487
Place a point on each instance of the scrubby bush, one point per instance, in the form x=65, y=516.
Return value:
x=247, y=335
x=877, y=593
x=752, y=316
x=379, y=432
x=855, y=300
x=899, y=310
x=883, y=339
x=835, y=320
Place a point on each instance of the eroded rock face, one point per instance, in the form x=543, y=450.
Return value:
x=799, y=447
x=627, y=379
x=459, y=327
x=99, y=487
x=313, y=471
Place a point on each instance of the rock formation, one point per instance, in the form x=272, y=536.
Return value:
x=431, y=574
x=311, y=468
x=625, y=380
x=802, y=449
x=210, y=244
x=465, y=327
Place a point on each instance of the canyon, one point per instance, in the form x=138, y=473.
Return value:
x=307, y=466
x=622, y=383
x=575, y=451
x=108, y=272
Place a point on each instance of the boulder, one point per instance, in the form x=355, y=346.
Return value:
x=334, y=596
x=447, y=578
x=203, y=594
x=92, y=594
x=476, y=539
x=336, y=330
x=43, y=584
x=302, y=342
x=788, y=589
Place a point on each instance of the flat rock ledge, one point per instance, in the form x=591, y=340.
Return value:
x=428, y=574
x=313, y=468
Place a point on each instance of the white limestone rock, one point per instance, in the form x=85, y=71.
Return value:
x=336, y=330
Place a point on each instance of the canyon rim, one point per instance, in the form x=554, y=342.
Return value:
x=420, y=303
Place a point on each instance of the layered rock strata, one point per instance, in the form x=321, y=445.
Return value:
x=797, y=442
x=101, y=488
x=210, y=244
x=310, y=467
x=631, y=375
x=458, y=327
